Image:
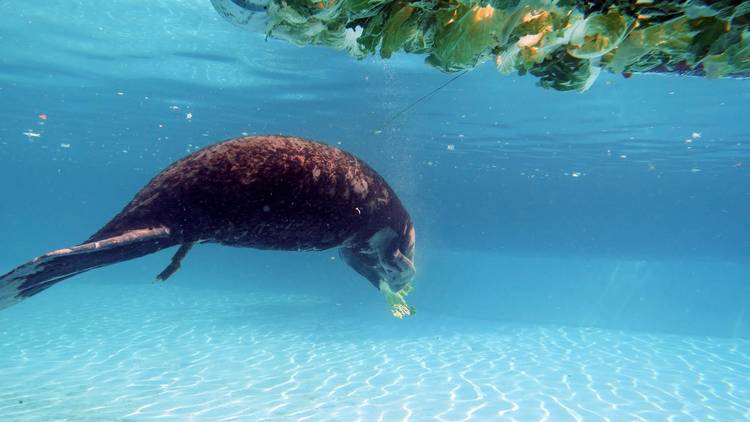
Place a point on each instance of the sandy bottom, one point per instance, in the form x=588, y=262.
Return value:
x=124, y=353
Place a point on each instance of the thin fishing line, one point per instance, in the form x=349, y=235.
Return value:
x=420, y=99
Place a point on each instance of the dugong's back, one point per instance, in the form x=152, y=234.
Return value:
x=266, y=192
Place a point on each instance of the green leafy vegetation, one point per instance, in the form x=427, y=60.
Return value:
x=565, y=43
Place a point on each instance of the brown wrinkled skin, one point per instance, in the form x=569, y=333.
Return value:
x=267, y=192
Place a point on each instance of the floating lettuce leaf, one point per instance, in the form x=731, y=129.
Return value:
x=642, y=50
x=397, y=301
x=398, y=30
x=565, y=73
x=357, y=9
x=372, y=34
x=565, y=43
x=467, y=35
x=735, y=60
x=598, y=35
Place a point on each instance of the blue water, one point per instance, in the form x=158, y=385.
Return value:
x=580, y=256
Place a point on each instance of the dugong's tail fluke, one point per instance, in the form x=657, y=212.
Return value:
x=44, y=271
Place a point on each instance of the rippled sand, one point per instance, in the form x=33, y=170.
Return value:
x=127, y=353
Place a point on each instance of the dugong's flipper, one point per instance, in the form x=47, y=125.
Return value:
x=46, y=270
x=176, y=261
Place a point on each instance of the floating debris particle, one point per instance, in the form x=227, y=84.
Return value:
x=451, y=147
x=696, y=135
x=120, y=93
x=189, y=115
x=42, y=116
x=695, y=170
x=32, y=135
x=64, y=145
x=174, y=107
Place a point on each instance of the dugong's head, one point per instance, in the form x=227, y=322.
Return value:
x=386, y=258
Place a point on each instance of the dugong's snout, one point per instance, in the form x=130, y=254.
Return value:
x=399, y=270
x=386, y=257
